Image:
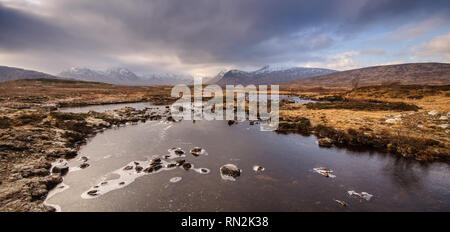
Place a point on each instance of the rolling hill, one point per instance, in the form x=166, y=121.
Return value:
x=414, y=73
x=11, y=74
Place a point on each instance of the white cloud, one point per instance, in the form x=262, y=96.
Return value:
x=392, y=63
x=341, y=61
x=25, y=5
x=439, y=46
x=414, y=30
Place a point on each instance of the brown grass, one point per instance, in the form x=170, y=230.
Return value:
x=365, y=113
x=365, y=105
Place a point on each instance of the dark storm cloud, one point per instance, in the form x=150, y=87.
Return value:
x=224, y=31
x=19, y=30
x=244, y=32
x=394, y=11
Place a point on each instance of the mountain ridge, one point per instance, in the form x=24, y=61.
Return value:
x=408, y=73
x=123, y=76
x=12, y=73
x=268, y=75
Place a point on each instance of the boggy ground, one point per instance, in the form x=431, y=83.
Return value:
x=51, y=93
x=33, y=135
x=408, y=120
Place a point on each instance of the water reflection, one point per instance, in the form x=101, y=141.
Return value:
x=288, y=182
x=103, y=108
x=405, y=173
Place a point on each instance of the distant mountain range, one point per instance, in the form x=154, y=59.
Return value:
x=123, y=76
x=415, y=73
x=267, y=75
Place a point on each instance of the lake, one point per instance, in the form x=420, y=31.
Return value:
x=288, y=182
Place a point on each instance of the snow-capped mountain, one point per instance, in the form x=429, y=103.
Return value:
x=216, y=78
x=123, y=76
x=84, y=74
x=269, y=75
x=264, y=75
x=169, y=79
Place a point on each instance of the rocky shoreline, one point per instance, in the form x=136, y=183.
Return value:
x=33, y=139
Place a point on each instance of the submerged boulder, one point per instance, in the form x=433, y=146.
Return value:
x=230, y=172
x=177, y=151
x=342, y=203
x=187, y=166
x=180, y=162
x=258, y=168
x=127, y=168
x=84, y=165
x=156, y=161
x=196, y=151
x=138, y=168
x=324, y=172
x=93, y=193
x=363, y=195
x=171, y=165
x=153, y=168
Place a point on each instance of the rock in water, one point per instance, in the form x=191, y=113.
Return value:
x=187, y=166
x=196, y=151
x=230, y=172
x=325, y=142
x=84, y=165
x=342, y=203
x=155, y=161
x=180, y=162
x=61, y=169
x=258, y=168
x=324, y=172
x=92, y=193
x=362, y=195
x=128, y=168
x=177, y=151
x=171, y=165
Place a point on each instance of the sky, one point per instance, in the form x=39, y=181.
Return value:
x=203, y=37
